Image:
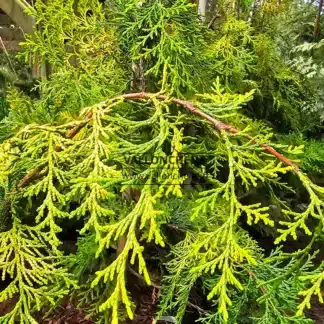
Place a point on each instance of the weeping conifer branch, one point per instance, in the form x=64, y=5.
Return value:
x=219, y=125
x=101, y=140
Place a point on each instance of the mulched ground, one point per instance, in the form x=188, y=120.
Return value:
x=68, y=314
x=146, y=301
x=316, y=313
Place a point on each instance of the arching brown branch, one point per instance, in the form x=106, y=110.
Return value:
x=189, y=106
x=218, y=124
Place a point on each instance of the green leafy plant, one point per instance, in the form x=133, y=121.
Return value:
x=115, y=163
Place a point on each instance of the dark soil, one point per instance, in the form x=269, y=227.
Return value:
x=316, y=313
x=144, y=314
x=7, y=306
x=145, y=298
x=68, y=314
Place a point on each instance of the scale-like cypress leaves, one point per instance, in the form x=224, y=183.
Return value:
x=118, y=163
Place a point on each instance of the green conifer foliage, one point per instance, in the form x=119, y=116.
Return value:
x=38, y=278
x=81, y=49
x=164, y=35
x=91, y=151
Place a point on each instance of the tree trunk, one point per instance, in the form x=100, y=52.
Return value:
x=202, y=5
x=252, y=11
x=318, y=20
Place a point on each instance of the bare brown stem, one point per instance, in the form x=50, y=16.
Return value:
x=211, y=23
x=318, y=20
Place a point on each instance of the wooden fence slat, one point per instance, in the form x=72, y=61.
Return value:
x=15, y=9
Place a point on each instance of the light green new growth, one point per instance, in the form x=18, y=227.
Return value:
x=118, y=165
x=95, y=151
x=36, y=278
